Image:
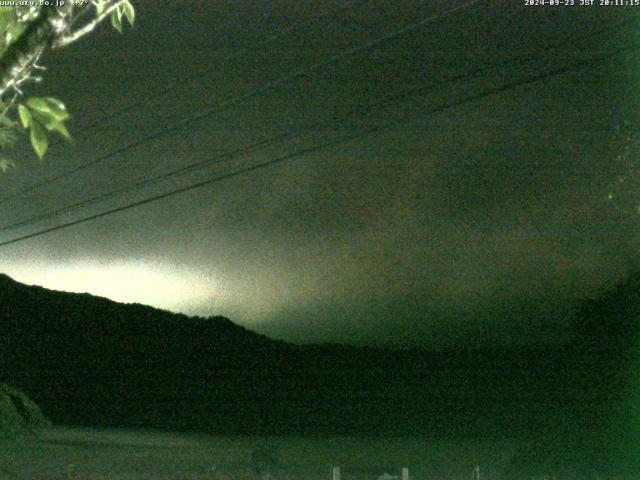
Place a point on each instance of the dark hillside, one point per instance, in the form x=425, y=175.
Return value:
x=91, y=361
x=607, y=366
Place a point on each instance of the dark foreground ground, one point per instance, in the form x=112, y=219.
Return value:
x=100, y=364
x=64, y=453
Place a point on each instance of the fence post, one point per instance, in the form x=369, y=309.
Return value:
x=405, y=473
x=335, y=473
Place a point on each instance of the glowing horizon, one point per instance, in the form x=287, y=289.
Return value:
x=127, y=282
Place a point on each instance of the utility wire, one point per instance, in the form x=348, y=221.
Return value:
x=314, y=127
x=318, y=147
x=165, y=89
x=241, y=98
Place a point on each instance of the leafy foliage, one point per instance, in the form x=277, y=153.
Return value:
x=18, y=414
x=13, y=21
x=40, y=116
x=125, y=9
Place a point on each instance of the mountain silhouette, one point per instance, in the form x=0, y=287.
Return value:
x=87, y=360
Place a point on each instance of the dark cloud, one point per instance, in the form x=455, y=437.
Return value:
x=480, y=224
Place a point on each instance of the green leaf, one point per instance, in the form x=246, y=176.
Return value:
x=13, y=31
x=56, y=106
x=39, y=139
x=42, y=118
x=6, y=164
x=25, y=116
x=129, y=12
x=100, y=5
x=7, y=16
x=60, y=128
x=38, y=103
x=49, y=107
x=116, y=20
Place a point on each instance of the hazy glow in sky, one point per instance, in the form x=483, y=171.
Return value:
x=475, y=224
x=128, y=282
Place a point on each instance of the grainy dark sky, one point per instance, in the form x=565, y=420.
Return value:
x=483, y=223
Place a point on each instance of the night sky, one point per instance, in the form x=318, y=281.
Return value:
x=481, y=224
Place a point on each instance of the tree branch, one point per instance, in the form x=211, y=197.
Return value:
x=88, y=28
x=20, y=57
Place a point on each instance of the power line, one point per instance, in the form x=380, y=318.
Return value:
x=164, y=89
x=314, y=127
x=241, y=98
x=299, y=153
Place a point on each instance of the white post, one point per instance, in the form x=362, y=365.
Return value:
x=405, y=473
x=335, y=473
